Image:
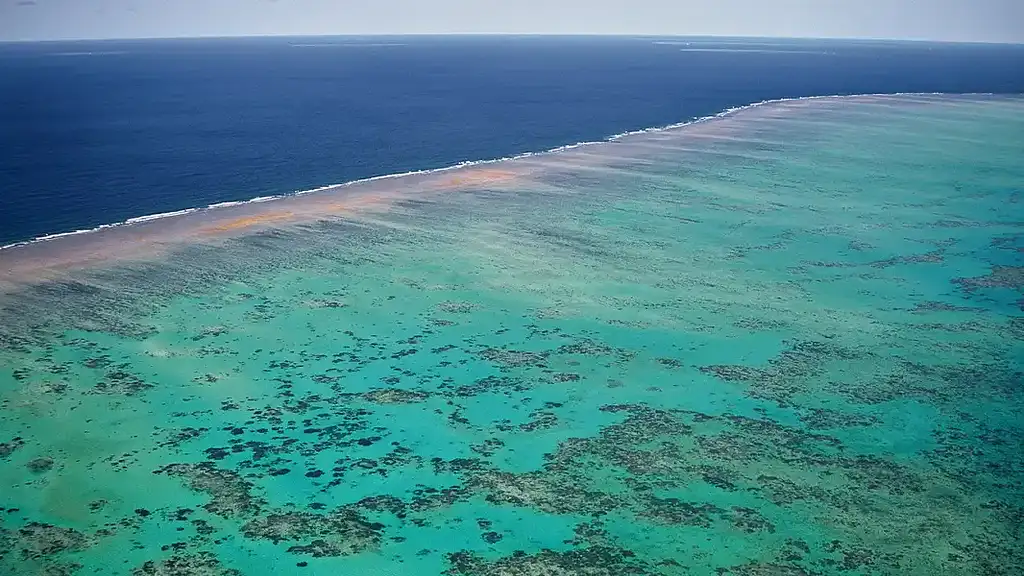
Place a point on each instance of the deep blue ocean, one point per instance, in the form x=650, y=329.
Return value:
x=98, y=132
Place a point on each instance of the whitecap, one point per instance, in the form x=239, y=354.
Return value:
x=159, y=216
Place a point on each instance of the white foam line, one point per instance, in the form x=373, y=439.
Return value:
x=240, y=202
x=226, y=204
x=159, y=216
x=468, y=163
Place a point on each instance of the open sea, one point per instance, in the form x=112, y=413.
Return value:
x=510, y=329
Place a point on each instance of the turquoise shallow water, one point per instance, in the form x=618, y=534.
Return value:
x=783, y=342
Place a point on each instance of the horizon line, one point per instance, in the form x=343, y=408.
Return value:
x=508, y=34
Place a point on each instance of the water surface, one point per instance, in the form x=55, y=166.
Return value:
x=786, y=341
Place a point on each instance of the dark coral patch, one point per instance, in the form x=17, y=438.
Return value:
x=593, y=561
x=395, y=396
x=40, y=465
x=8, y=448
x=230, y=493
x=201, y=564
x=339, y=533
x=119, y=382
x=1011, y=277
x=37, y=540
x=514, y=358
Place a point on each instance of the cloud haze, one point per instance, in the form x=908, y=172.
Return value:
x=955, y=20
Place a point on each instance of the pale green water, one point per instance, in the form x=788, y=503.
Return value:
x=795, y=350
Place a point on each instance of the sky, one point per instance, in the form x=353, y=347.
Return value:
x=947, y=20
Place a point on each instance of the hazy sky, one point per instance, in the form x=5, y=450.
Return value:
x=960, y=20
